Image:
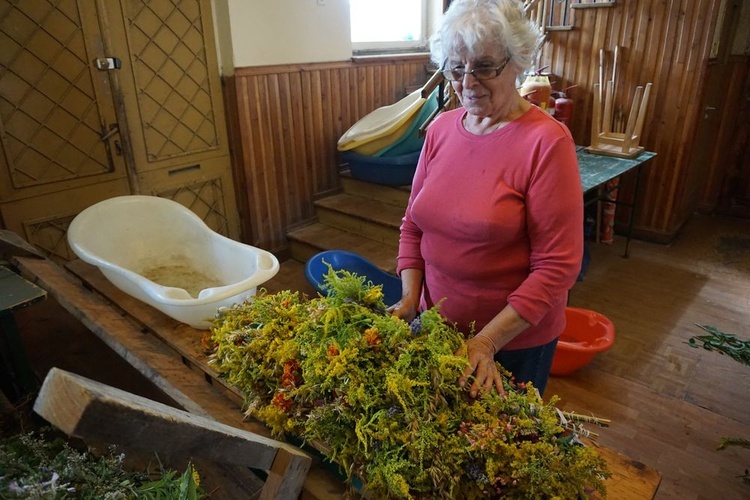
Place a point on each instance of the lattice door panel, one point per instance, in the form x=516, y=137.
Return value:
x=176, y=96
x=206, y=199
x=54, y=108
x=50, y=236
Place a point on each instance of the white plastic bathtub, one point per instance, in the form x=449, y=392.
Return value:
x=160, y=252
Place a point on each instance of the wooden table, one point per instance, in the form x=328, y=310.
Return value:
x=169, y=354
x=597, y=170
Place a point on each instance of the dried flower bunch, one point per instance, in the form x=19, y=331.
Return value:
x=41, y=465
x=380, y=397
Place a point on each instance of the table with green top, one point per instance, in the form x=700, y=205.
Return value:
x=16, y=376
x=596, y=170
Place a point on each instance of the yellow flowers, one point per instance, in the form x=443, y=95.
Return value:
x=383, y=397
x=371, y=336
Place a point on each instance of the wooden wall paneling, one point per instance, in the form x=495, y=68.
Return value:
x=312, y=119
x=277, y=199
x=693, y=71
x=665, y=85
x=665, y=42
x=343, y=90
x=276, y=98
x=657, y=135
x=677, y=100
x=298, y=145
x=633, y=70
x=289, y=120
x=247, y=115
x=579, y=56
x=329, y=132
x=236, y=144
x=337, y=81
x=261, y=209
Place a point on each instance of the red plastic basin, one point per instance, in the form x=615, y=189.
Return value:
x=586, y=333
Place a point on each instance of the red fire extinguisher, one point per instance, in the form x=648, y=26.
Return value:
x=564, y=106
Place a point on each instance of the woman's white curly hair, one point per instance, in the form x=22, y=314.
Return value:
x=470, y=28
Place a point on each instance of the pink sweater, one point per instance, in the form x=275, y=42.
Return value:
x=497, y=219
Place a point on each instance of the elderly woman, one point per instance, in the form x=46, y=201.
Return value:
x=493, y=229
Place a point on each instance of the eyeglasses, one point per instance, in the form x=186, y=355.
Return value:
x=457, y=74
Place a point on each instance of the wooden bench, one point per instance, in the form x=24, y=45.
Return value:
x=170, y=355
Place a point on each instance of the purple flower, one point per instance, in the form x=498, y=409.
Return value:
x=416, y=326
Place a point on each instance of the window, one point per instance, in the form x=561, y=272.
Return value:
x=391, y=25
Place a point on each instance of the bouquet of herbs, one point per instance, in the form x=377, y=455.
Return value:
x=42, y=465
x=380, y=397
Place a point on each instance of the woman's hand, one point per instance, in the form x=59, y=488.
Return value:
x=404, y=309
x=481, y=354
x=411, y=289
x=482, y=347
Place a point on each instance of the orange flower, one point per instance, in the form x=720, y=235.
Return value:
x=281, y=401
x=289, y=379
x=207, y=342
x=333, y=350
x=371, y=336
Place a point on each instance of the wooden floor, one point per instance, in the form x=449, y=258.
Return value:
x=669, y=404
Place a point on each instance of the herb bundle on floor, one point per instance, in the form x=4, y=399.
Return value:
x=42, y=465
x=380, y=397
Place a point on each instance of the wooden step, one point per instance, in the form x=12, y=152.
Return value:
x=370, y=218
x=392, y=195
x=309, y=240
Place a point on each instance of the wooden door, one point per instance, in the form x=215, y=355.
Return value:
x=74, y=132
x=719, y=175
x=172, y=97
x=734, y=198
x=60, y=149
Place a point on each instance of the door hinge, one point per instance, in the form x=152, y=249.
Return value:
x=108, y=63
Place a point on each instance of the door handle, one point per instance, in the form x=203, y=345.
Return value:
x=106, y=134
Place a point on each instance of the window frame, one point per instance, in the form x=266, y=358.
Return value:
x=431, y=9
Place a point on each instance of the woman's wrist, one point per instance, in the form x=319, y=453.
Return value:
x=489, y=340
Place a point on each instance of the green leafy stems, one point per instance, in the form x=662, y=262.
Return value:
x=723, y=343
x=380, y=398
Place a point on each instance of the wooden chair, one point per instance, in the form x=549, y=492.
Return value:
x=608, y=142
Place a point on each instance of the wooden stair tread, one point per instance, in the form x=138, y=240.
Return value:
x=329, y=238
x=393, y=195
x=364, y=208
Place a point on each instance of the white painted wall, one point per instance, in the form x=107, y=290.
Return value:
x=266, y=32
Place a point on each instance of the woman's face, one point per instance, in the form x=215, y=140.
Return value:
x=484, y=97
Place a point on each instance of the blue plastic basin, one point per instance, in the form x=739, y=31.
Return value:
x=316, y=269
x=388, y=170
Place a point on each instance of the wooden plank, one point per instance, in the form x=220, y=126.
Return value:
x=91, y=410
x=630, y=479
x=158, y=362
x=184, y=340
